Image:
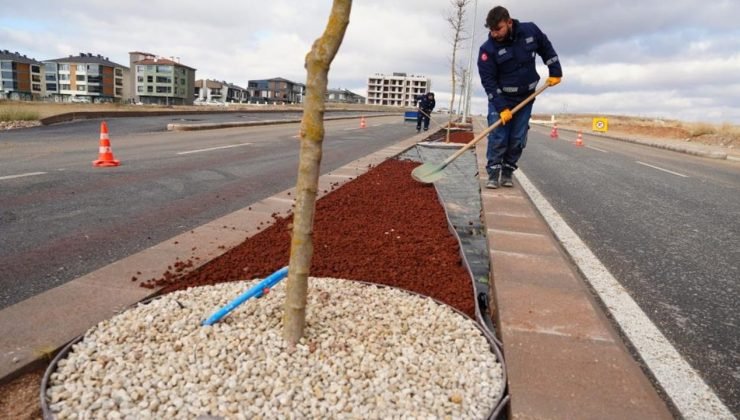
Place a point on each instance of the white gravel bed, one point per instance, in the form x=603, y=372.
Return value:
x=368, y=352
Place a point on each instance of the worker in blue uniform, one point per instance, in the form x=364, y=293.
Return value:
x=426, y=105
x=506, y=64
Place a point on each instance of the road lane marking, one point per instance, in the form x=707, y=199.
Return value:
x=213, y=148
x=21, y=175
x=688, y=391
x=596, y=148
x=661, y=169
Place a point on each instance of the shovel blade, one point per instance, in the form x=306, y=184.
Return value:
x=428, y=172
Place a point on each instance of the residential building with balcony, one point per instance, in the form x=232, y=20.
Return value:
x=276, y=90
x=87, y=78
x=213, y=91
x=398, y=89
x=161, y=81
x=21, y=78
x=343, y=96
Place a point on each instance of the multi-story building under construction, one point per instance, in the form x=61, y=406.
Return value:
x=398, y=89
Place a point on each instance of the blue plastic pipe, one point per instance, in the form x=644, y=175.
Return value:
x=255, y=291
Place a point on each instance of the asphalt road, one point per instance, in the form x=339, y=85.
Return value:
x=667, y=226
x=61, y=218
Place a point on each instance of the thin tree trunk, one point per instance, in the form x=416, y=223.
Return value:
x=318, y=61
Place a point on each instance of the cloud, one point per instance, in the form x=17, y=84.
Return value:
x=630, y=56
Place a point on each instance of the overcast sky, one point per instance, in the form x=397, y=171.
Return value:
x=676, y=59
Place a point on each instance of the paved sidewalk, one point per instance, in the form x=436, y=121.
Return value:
x=564, y=359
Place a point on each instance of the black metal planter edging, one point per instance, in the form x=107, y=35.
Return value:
x=483, y=319
x=500, y=400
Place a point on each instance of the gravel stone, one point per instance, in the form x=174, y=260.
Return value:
x=368, y=352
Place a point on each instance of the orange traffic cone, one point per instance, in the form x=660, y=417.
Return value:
x=362, y=122
x=579, y=139
x=554, y=132
x=105, y=154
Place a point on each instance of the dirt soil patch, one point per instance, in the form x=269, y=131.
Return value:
x=456, y=136
x=382, y=227
x=19, y=398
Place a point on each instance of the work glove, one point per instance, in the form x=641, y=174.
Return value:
x=552, y=81
x=506, y=116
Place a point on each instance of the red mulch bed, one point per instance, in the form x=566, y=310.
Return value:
x=382, y=227
x=455, y=136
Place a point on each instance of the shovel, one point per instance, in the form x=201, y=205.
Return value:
x=430, y=172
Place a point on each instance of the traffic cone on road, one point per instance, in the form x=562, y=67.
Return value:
x=105, y=154
x=362, y=122
x=554, y=132
x=579, y=139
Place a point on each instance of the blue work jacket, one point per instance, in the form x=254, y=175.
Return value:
x=507, y=69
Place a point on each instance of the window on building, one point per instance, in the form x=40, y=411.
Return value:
x=9, y=85
x=164, y=89
x=80, y=77
x=6, y=65
x=7, y=75
x=50, y=77
x=81, y=88
x=140, y=69
x=64, y=86
x=150, y=68
x=150, y=79
x=140, y=79
x=164, y=79
x=36, y=87
x=63, y=77
x=140, y=89
x=94, y=89
x=35, y=69
x=81, y=68
x=51, y=87
x=94, y=79
x=150, y=89
x=119, y=72
x=64, y=67
x=119, y=91
x=164, y=69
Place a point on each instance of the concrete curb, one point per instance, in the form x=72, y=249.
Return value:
x=696, y=151
x=215, y=126
x=86, y=115
x=36, y=328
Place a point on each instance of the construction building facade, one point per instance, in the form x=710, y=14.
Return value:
x=398, y=89
x=21, y=78
x=276, y=90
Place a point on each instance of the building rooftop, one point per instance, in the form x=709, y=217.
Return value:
x=87, y=58
x=162, y=61
x=15, y=56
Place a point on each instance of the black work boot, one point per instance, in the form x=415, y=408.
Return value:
x=493, y=181
x=506, y=176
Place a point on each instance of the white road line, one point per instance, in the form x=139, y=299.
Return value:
x=213, y=148
x=691, y=395
x=596, y=148
x=21, y=175
x=661, y=169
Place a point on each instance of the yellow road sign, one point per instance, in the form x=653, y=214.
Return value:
x=600, y=124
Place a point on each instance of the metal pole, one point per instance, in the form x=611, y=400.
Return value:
x=469, y=82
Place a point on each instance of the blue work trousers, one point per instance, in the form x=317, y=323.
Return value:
x=506, y=142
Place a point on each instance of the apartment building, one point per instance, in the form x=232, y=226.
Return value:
x=213, y=91
x=276, y=90
x=21, y=78
x=398, y=89
x=161, y=81
x=85, y=77
x=343, y=96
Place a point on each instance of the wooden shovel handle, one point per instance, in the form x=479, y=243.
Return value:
x=485, y=132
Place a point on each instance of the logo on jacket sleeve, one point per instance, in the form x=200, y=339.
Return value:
x=484, y=57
